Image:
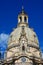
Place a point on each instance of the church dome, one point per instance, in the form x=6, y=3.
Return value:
x=16, y=33
x=23, y=40
x=30, y=34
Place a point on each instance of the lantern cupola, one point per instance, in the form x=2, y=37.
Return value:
x=22, y=18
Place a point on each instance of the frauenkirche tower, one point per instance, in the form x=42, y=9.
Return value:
x=23, y=45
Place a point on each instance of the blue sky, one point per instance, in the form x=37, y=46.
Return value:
x=9, y=10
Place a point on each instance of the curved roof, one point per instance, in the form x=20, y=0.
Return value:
x=30, y=34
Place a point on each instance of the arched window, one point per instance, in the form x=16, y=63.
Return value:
x=23, y=48
x=20, y=19
x=25, y=19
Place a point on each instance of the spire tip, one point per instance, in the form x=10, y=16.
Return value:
x=22, y=8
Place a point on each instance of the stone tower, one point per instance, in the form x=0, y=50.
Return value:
x=23, y=45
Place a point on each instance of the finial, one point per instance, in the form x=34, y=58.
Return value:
x=22, y=9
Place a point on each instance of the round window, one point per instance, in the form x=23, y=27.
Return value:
x=23, y=59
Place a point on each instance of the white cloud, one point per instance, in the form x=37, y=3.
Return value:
x=3, y=40
x=3, y=37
